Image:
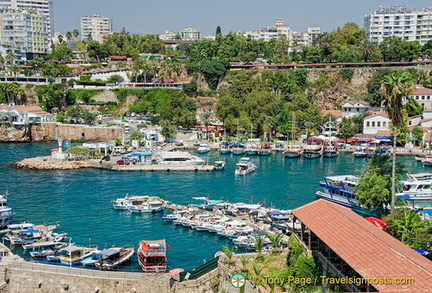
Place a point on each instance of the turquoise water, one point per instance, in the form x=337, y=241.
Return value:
x=79, y=200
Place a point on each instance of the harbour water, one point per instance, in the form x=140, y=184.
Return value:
x=79, y=200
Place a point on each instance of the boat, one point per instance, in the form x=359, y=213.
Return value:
x=113, y=257
x=225, y=148
x=417, y=189
x=330, y=151
x=313, y=149
x=265, y=149
x=421, y=158
x=293, y=151
x=179, y=158
x=219, y=165
x=129, y=201
x=140, y=209
x=360, y=152
x=244, y=166
x=252, y=147
x=238, y=149
x=203, y=149
x=339, y=189
x=174, y=216
x=152, y=256
x=73, y=254
x=6, y=213
x=280, y=146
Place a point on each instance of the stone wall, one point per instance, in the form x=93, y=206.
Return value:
x=20, y=280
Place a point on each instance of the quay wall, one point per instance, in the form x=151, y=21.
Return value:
x=52, y=131
x=32, y=281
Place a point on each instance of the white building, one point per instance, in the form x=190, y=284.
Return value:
x=378, y=121
x=350, y=109
x=168, y=35
x=20, y=115
x=280, y=29
x=408, y=24
x=423, y=96
x=43, y=7
x=96, y=26
x=25, y=31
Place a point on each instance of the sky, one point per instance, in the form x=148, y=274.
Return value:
x=154, y=17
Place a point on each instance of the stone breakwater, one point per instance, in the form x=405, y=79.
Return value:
x=48, y=163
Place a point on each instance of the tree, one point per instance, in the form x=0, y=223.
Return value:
x=394, y=88
x=168, y=130
x=205, y=117
x=136, y=135
x=68, y=35
x=218, y=34
x=418, y=133
x=75, y=33
x=347, y=129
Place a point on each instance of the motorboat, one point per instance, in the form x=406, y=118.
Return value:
x=73, y=254
x=113, y=257
x=340, y=189
x=245, y=166
x=178, y=158
x=225, y=148
x=293, y=151
x=219, y=165
x=360, y=152
x=152, y=256
x=203, y=149
x=265, y=150
x=252, y=147
x=330, y=151
x=313, y=149
x=140, y=209
x=6, y=213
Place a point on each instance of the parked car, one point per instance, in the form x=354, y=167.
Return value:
x=122, y=162
x=106, y=158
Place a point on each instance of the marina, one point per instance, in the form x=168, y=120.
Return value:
x=278, y=182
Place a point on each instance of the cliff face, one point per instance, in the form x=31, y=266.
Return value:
x=52, y=131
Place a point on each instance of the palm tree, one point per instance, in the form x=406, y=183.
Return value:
x=275, y=240
x=406, y=226
x=10, y=56
x=68, y=35
x=75, y=33
x=309, y=128
x=206, y=120
x=60, y=39
x=394, y=88
x=259, y=244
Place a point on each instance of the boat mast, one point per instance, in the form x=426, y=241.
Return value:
x=292, y=128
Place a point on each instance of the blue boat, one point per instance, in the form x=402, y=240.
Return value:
x=340, y=190
x=330, y=152
x=219, y=165
x=225, y=148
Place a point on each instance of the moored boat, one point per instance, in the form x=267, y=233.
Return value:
x=313, y=149
x=330, y=151
x=203, y=149
x=152, y=256
x=73, y=254
x=252, y=147
x=113, y=257
x=219, y=165
x=293, y=151
x=6, y=213
x=225, y=148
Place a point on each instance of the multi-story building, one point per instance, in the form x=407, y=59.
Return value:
x=190, y=34
x=96, y=27
x=25, y=31
x=44, y=7
x=280, y=29
x=408, y=24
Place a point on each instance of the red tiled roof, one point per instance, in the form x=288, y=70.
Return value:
x=422, y=91
x=335, y=113
x=426, y=120
x=367, y=249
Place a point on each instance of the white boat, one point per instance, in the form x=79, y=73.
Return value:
x=330, y=151
x=340, y=189
x=360, y=152
x=244, y=166
x=6, y=213
x=417, y=189
x=140, y=209
x=252, y=147
x=313, y=149
x=203, y=149
x=280, y=146
x=179, y=158
x=152, y=256
x=225, y=148
x=219, y=165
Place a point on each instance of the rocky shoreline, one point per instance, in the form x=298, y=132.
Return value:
x=48, y=163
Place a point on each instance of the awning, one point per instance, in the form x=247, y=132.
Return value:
x=377, y=222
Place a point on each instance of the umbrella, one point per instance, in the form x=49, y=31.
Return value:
x=422, y=251
x=175, y=271
x=377, y=222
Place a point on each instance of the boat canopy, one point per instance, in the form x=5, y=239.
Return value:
x=29, y=230
x=109, y=252
x=249, y=206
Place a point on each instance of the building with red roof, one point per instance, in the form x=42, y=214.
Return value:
x=352, y=248
x=20, y=115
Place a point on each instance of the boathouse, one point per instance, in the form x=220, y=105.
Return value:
x=352, y=248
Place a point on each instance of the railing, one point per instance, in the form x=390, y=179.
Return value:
x=200, y=271
x=58, y=269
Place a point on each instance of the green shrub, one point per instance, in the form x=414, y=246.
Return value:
x=346, y=73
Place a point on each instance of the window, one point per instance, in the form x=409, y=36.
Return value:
x=373, y=123
x=367, y=124
x=379, y=124
x=384, y=124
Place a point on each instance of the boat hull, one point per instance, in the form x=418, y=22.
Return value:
x=292, y=155
x=330, y=154
x=311, y=155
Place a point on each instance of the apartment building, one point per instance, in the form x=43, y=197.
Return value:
x=406, y=23
x=96, y=27
x=26, y=32
x=43, y=7
x=190, y=34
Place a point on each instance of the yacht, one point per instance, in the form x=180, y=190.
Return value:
x=245, y=166
x=184, y=158
x=339, y=189
x=225, y=148
x=252, y=147
x=417, y=189
x=313, y=149
x=293, y=151
x=6, y=213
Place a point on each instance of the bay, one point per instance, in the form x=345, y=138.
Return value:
x=79, y=200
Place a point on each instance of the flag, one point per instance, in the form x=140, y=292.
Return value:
x=169, y=247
